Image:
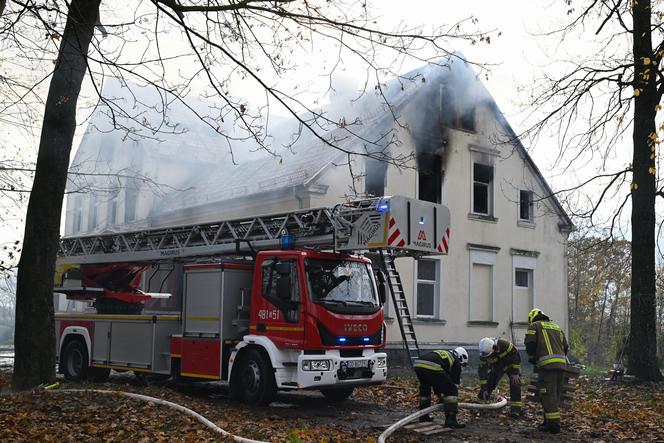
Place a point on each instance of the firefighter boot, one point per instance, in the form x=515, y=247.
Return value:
x=451, y=421
x=425, y=402
x=549, y=426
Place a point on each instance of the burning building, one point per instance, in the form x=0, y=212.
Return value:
x=441, y=139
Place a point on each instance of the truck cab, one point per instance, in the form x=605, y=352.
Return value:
x=326, y=307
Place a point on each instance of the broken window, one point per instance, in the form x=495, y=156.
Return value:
x=525, y=205
x=430, y=177
x=482, y=189
x=466, y=118
x=456, y=112
x=374, y=179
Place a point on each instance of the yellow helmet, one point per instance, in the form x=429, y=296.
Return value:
x=534, y=313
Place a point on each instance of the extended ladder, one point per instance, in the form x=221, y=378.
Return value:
x=311, y=227
x=407, y=227
x=400, y=306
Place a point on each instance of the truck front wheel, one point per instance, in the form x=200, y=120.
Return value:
x=256, y=378
x=338, y=394
x=74, y=361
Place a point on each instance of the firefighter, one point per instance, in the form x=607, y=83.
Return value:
x=441, y=370
x=497, y=358
x=547, y=347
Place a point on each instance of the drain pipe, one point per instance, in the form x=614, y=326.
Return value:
x=159, y=401
x=481, y=406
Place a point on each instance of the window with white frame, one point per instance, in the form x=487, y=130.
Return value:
x=77, y=215
x=94, y=213
x=428, y=284
x=526, y=206
x=481, y=300
x=482, y=189
x=523, y=291
x=112, y=210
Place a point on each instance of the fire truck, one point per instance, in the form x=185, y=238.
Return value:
x=273, y=302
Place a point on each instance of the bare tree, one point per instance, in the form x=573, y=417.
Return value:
x=591, y=106
x=214, y=41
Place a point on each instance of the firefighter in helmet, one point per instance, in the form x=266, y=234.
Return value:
x=441, y=370
x=497, y=358
x=547, y=347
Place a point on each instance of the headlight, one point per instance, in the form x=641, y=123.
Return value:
x=315, y=365
x=381, y=362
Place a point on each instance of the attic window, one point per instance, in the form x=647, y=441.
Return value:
x=526, y=205
x=430, y=177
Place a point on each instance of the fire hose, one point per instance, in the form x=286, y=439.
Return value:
x=481, y=406
x=210, y=425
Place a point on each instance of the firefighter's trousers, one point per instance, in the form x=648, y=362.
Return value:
x=515, y=389
x=446, y=390
x=549, y=389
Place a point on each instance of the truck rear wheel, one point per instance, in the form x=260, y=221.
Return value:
x=74, y=361
x=256, y=378
x=337, y=394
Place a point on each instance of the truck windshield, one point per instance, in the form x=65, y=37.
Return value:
x=348, y=283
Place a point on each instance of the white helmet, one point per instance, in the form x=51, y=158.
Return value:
x=462, y=354
x=486, y=346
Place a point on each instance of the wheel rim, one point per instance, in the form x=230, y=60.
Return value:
x=75, y=362
x=251, y=377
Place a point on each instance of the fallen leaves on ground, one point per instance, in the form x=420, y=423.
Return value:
x=602, y=410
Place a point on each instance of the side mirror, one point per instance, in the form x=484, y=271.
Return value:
x=382, y=290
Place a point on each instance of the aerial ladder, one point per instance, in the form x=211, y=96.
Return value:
x=386, y=227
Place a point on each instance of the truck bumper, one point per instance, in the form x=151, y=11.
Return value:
x=343, y=371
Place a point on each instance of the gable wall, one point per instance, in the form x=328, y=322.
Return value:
x=504, y=234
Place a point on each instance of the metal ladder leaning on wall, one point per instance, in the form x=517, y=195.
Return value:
x=400, y=306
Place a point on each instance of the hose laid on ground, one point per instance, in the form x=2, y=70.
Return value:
x=159, y=401
x=482, y=406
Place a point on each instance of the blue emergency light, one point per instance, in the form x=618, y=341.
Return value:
x=383, y=206
x=287, y=241
x=341, y=339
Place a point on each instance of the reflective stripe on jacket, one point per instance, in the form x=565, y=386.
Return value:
x=505, y=358
x=440, y=360
x=550, y=344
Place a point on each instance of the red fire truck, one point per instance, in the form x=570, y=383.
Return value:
x=275, y=302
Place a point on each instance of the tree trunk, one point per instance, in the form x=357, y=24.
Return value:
x=599, y=350
x=642, y=341
x=35, y=336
